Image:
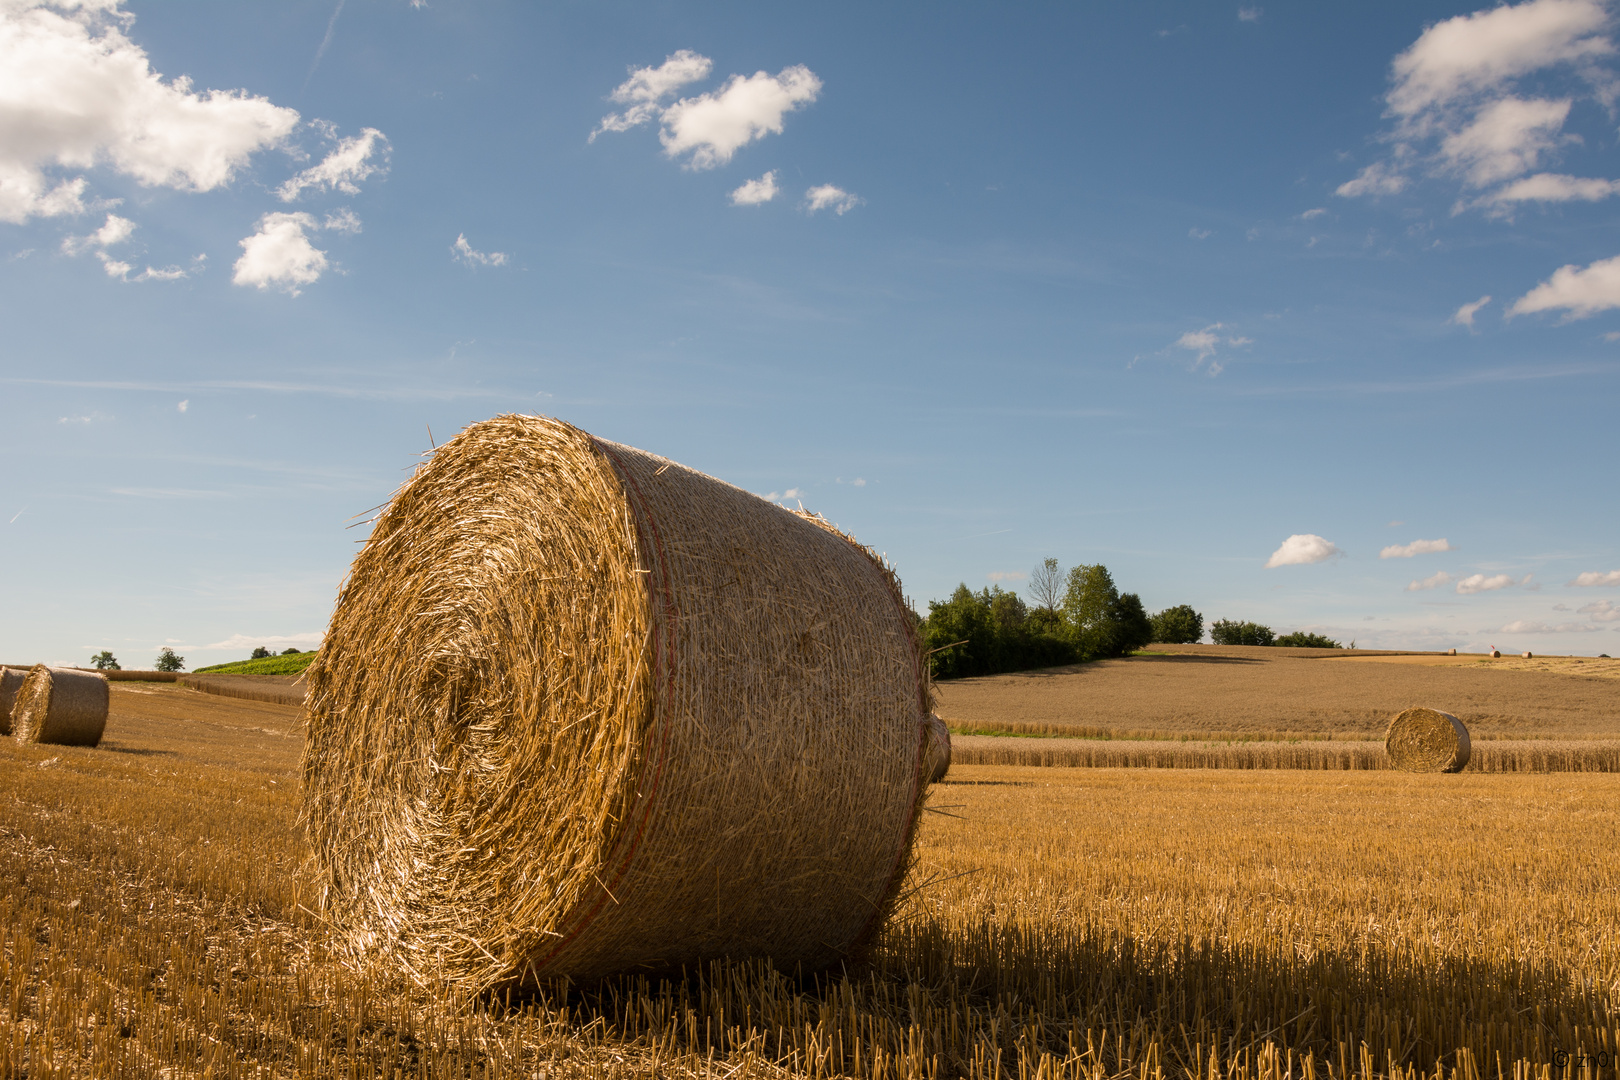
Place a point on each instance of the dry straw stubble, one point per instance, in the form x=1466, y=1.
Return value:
x=582, y=710
x=1427, y=740
x=60, y=706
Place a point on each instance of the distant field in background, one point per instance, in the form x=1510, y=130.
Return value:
x=1231, y=693
x=268, y=665
x=1058, y=922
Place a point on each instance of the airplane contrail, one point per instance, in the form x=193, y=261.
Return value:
x=326, y=41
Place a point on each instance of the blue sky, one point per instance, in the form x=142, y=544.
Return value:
x=1185, y=289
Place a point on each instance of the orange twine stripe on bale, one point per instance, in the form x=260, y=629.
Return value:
x=583, y=711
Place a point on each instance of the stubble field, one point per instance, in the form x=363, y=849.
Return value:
x=1096, y=922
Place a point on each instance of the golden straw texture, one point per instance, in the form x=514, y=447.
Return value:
x=581, y=710
x=1427, y=740
x=11, y=680
x=60, y=706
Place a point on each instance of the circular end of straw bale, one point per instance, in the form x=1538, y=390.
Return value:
x=1427, y=740
x=581, y=710
x=60, y=707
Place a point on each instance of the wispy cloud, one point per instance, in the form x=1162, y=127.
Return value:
x=1433, y=581
x=1416, y=547
x=461, y=251
x=252, y=641
x=1206, y=343
x=831, y=197
x=1478, y=583
x=357, y=158
x=1596, y=577
x=1601, y=611
x=1465, y=315
x=1535, y=626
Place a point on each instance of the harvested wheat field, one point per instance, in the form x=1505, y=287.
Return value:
x=1213, y=692
x=1100, y=922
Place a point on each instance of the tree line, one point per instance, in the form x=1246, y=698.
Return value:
x=1071, y=616
x=1074, y=615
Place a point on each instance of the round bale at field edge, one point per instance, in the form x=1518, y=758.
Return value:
x=61, y=707
x=582, y=710
x=1427, y=740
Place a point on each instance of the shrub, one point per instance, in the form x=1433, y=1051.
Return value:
x=289, y=652
x=1299, y=639
x=1179, y=625
x=1231, y=632
x=168, y=661
x=988, y=632
x=105, y=661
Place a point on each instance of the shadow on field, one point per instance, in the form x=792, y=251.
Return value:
x=137, y=751
x=1018, y=992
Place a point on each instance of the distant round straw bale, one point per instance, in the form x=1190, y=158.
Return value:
x=1427, y=740
x=60, y=706
x=582, y=710
x=11, y=680
x=939, y=750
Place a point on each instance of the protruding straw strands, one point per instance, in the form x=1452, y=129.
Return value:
x=11, y=680
x=1427, y=740
x=582, y=710
x=60, y=706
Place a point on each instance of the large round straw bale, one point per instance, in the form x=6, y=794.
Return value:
x=1427, y=740
x=60, y=706
x=11, y=680
x=938, y=751
x=582, y=710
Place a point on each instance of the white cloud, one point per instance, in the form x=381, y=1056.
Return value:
x=1004, y=575
x=115, y=231
x=343, y=221
x=1465, y=314
x=344, y=168
x=114, y=267
x=1433, y=581
x=1530, y=626
x=279, y=254
x=463, y=252
x=1580, y=291
x=1250, y=14
x=790, y=493
x=1601, y=611
x=1206, y=342
x=1301, y=549
x=1196, y=233
x=1453, y=90
x=1478, y=583
x=1597, y=577
x=1506, y=138
x=714, y=126
x=1472, y=54
x=246, y=641
x=183, y=405
x=78, y=93
x=647, y=86
x=1311, y=215
x=831, y=197
x=1376, y=179
x=755, y=192
x=1416, y=547
x=1553, y=187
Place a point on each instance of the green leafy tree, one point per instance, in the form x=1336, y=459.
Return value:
x=1089, y=610
x=260, y=653
x=1133, y=627
x=1299, y=639
x=105, y=661
x=982, y=633
x=1231, y=632
x=289, y=652
x=168, y=661
x=1179, y=625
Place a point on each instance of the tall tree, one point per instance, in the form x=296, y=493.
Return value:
x=1179, y=625
x=1046, y=585
x=1089, y=610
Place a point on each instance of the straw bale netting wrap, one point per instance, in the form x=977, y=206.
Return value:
x=582, y=711
x=60, y=706
x=11, y=680
x=1427, y=740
